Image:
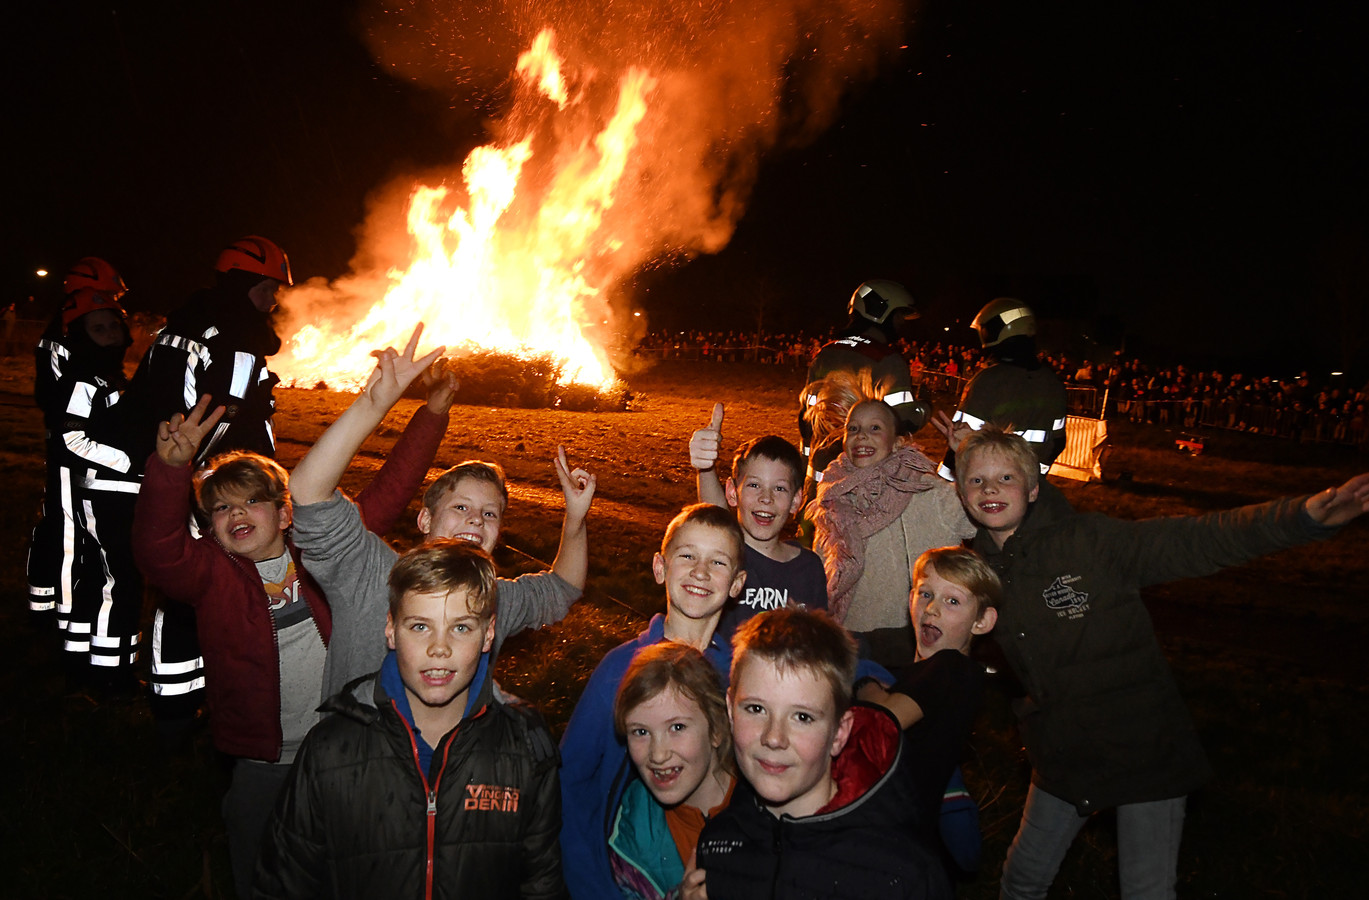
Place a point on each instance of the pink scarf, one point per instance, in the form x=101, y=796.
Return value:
x=852, y=504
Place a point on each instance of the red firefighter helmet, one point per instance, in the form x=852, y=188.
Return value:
x=88, y=300
x=256, y=254
x=94, y=273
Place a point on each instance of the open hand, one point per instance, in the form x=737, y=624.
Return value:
x=1336, y=506
x=705, y=443
x=179, y=437
x=577, y=484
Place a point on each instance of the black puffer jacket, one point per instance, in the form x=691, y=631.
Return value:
x=357, y=818
x=863, y=850
x=1103, y=721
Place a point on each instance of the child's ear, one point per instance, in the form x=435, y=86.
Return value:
x=797, y=503
x=489, y=636
x=390, y=630
x=425, y=520
x=1031, y=498
x=285, y=516
x=730, y=492
x=988, y=618
x=737, y=581
x=843, y=731
x=658, y=568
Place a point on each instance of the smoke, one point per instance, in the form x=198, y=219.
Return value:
x=727, y=82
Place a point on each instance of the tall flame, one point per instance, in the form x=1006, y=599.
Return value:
x=508, y=270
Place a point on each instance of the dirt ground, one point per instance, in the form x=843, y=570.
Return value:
x=1269, y=654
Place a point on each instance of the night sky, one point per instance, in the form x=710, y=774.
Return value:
x=1184, y=175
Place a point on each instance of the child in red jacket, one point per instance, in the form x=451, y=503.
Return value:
x=263, y=624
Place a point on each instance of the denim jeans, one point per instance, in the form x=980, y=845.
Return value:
x=1147, y=847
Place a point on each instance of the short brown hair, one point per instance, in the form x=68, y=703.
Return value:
x=793, y=638
x=488, y=472
x=250, y=475
x=670, y=664
x=771, y=447
x=706, y=514
x=1012, y=446
x=443, y=566
x=962, y=566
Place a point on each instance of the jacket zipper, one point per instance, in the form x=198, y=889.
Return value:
x=431, y=793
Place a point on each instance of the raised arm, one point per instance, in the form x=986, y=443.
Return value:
x=704, y=445
x=318, y=473
x=572, y=556
x=179, y=437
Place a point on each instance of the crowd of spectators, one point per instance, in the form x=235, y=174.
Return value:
x=1299, y=408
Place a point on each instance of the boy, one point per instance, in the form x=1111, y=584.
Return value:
x=1103, y=721
x=466, y=502
x=824, y=810
x=954, y=600
x=263, y=623
x=766, y=490
x=700, y=565
x=422, y=784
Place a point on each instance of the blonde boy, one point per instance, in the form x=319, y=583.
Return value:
x=1103, y=721
x=700, y=566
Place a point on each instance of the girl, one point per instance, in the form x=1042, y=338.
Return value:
x=672, y=712
x=879, y=506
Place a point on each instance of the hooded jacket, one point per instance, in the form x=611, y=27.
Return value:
x=1103, y=720
x=360, y=817
x=863, y=849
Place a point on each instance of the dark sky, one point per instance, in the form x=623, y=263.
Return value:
x=1184, y=173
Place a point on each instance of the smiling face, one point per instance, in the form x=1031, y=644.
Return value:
x=669, y=743
x=438, y=642
x=249, y=527
x=765, y=498
x=471, y=510
x=786, y=731
x=946, y=615
x=871, y=434
x=700, y=568
x=995, y=492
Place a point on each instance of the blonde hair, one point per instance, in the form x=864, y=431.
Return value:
x=965, y=567
x=1012, y=447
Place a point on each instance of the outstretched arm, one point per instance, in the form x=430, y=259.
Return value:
x=572, y=556
x=704, y=445
x=318, y=473
x=1336, y=506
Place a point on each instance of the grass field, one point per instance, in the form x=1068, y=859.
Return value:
x=1269, y=655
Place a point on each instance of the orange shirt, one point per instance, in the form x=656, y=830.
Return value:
x=686, y=823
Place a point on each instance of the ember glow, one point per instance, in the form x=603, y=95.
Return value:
x=627, y=141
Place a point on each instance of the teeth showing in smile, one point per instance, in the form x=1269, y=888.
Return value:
x=468, y=537
x=993, y=507
x=665, y=776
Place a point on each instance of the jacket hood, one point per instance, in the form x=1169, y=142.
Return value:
x=867, y=760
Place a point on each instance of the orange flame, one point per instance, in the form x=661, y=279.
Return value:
x=510, y=270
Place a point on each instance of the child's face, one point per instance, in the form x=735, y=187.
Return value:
x=700, y=569
x=871, y=434
x=249, y=527
x=438, y=641
x=765, y=498
x=472, y=510
x=104, y=328
x=786, y=731
x=946, y=616
x=995, y=493
x=670, y=744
